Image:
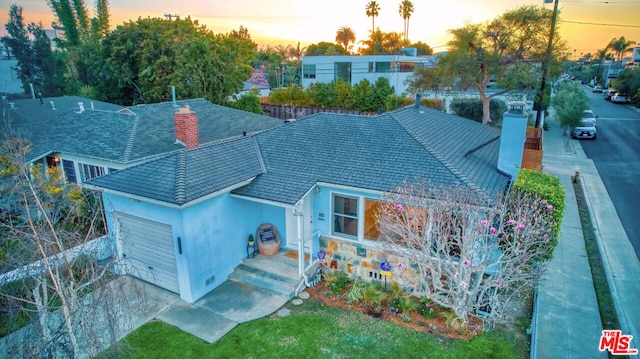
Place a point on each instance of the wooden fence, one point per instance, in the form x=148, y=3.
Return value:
x=291, y=112
x=532, y=156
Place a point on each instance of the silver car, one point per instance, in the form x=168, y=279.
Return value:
x=619, y=98
x=587, y=129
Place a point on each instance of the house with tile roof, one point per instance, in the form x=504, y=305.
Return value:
x=89, y=138
x=183, y=220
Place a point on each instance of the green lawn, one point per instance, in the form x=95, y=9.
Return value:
x=314, y=330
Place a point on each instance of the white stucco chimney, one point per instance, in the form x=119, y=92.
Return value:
x=512, y=139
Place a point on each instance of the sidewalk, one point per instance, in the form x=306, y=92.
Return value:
x=567, y=321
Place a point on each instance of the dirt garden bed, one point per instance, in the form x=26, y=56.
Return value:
x=397, y=307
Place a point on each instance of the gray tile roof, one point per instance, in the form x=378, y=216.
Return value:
x=186, y=175
x=374, y=153
x=124, y=135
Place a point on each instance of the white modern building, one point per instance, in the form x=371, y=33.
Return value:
x=353, y=69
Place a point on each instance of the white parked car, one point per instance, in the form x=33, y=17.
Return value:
x=587, y=128
x=619, y=98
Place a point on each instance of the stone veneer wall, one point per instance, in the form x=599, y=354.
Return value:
x=358, y=260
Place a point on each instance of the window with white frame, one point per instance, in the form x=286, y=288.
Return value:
x=355, y=217
x=69, y=171
x=91, y=171
x=345, y=216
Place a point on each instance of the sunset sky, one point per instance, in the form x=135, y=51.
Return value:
x=588, y=25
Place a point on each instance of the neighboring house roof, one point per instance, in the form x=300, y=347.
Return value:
x=123, y=134
x=375, y=153
x=188, y=175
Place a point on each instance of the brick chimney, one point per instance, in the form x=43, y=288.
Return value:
x=186, y=123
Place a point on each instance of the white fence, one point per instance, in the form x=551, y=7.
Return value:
x=97, y=248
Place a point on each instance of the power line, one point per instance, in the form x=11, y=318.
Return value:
x=598, y=24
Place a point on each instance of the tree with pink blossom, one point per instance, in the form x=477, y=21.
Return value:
x=472, y=252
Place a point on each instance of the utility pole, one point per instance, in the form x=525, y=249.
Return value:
x=545, y=64
x=171, y=16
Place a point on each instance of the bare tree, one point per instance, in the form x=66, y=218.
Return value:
x=57, y=287
x=473, y=253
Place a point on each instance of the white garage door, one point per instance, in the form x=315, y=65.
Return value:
x=148, y=250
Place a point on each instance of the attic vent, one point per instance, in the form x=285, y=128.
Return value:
x=81, y=107
x=53, y=106
x=126, y=111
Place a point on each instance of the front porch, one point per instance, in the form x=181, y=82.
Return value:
x=278, y=273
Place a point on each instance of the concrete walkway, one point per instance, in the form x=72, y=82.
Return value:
x=567, y=321
x=209, y=319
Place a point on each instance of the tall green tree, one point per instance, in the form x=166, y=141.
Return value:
x=513, y=43
x=18, y=41
x=81, y=46
x=423, y=49
x=569, y=104
x=383, y=43
x=325, y=49
x=620, y=46
x=405, y=10
x=143, y=59
x=63, y=10
x=424, y=79
x=37, y=64
x=345, y=36
x=372, y=10
x=100, y=23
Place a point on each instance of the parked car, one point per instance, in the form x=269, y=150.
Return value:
x=597, y=89
x=589, y=115
x=619, y=98
x=609, y=93
x=587, y=129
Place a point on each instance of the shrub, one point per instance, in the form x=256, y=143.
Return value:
x=434, y=103
x=471, y=108
x=337, y=281
x=426, y=308
x=356, y=291
x=541, y=186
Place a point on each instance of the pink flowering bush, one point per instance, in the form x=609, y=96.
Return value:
x=471, y=252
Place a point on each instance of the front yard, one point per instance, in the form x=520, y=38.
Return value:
x=315, y=330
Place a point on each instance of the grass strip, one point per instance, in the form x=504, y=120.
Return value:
x=607, y=309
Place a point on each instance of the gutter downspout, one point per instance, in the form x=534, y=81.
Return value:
x=298, y=213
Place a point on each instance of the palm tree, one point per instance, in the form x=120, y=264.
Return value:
x=405, y=10
x=297, y=53
x=282, y=51
x=373, y=9
x=345, y=36
x=620, y=46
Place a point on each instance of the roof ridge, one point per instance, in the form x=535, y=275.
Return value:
x=131, y=140
x=463, y=178
x=181, y=177
x=259, y=153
